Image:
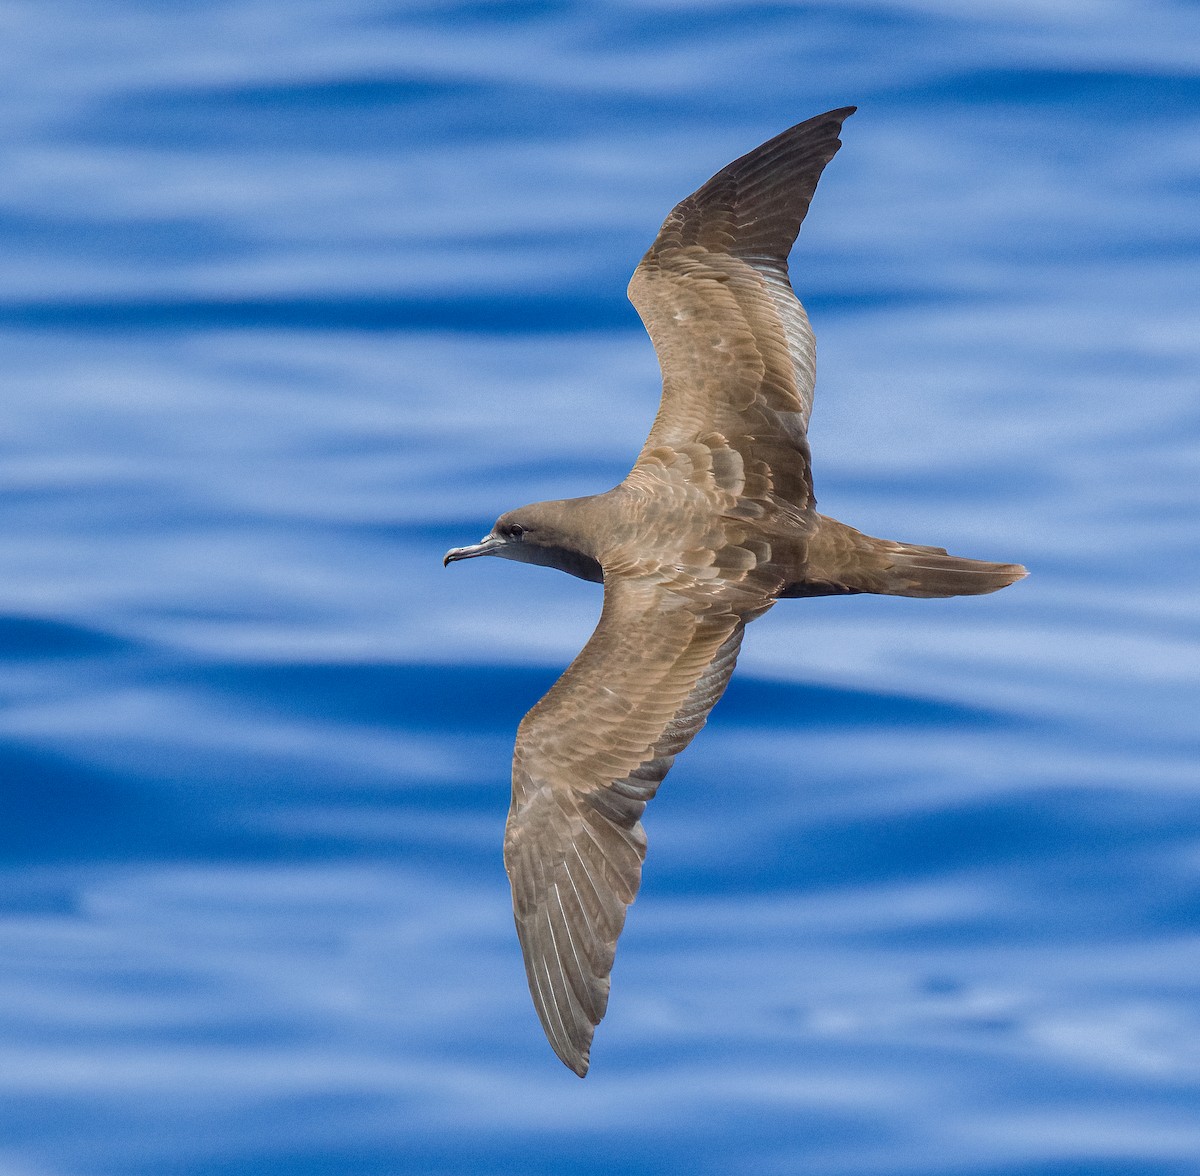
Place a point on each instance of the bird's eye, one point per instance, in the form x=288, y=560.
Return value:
x=515, y=531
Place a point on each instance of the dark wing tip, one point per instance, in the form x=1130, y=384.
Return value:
x=755, y=205
x=578, y=1063
x=568, y=1030
x=808, y=145
x=569, y=911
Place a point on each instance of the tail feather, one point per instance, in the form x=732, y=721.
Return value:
x=916, y=571
x=841, y=560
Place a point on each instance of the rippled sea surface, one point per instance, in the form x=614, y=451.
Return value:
x=297, y=296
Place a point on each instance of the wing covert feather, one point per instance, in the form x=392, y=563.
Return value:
x=589, y=757
x=736, y=350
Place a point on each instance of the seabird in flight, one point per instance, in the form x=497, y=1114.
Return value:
x=715, y=523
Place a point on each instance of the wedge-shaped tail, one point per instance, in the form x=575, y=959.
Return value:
x=843, y=560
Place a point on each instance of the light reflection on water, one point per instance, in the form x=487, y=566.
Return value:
x=279, y=330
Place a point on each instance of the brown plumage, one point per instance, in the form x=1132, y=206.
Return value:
x=715, y=522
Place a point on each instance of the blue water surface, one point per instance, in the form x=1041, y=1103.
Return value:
x=297, y=296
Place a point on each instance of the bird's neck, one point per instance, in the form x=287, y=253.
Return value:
x=578, y=526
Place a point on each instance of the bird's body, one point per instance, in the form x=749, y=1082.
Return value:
x=715, y=523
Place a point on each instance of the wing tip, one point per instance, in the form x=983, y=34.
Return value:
x=831, y=119
x=576, y=1056
x=578, y=1066
x=838, y=114
x=756, y=204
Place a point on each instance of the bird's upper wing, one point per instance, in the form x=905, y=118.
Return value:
x=737, y=354
x=588, y=757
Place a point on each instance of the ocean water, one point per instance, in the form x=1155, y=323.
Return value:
x=297, y=296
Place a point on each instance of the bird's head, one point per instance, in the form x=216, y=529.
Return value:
x=506, y=539
x=545, y=533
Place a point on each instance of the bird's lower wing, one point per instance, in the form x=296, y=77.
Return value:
x=588, y=758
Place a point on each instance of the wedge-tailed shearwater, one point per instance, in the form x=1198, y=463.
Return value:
x=715, y=523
